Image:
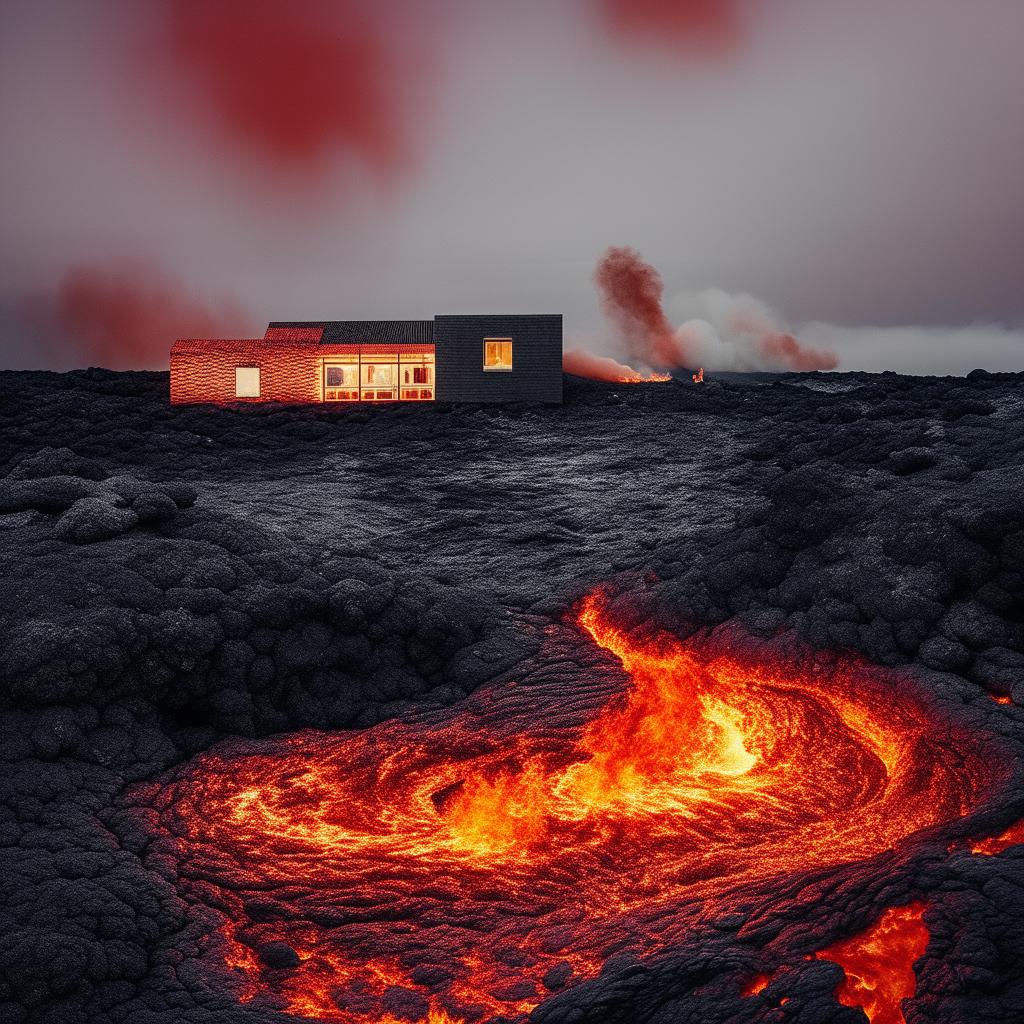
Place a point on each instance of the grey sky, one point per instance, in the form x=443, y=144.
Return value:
x=847, y=162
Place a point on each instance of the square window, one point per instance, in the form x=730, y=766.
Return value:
x=497, y=353
x=247, y=382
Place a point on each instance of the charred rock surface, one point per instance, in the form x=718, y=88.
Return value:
x=178, y=579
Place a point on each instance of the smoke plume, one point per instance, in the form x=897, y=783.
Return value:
x=125, y=316
x=717, y=330
x=631, y=292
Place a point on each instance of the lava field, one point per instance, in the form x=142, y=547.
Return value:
x=679, y=703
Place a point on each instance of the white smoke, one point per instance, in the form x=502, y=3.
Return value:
x=729, y=331
x=725, y=332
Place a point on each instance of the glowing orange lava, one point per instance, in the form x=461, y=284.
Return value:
x=756, y=985
x=996, y=844
x=461, y=867
x=698, y=377
x=650, y=377
x=879, y=963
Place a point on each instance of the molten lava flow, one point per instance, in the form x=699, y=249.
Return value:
x=586, y=364
x=996, y=844
x=464, y=866
x=698, y=377
x=879, y=963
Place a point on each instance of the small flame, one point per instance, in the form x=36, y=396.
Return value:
x=698, y=377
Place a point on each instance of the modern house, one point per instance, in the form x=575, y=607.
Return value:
x=450, y=358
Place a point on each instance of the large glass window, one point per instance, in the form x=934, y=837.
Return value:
x=416, y=373
x=247, y=382
x=341, y=379
x=382, y=374
x=497, y=353
x=379, y=377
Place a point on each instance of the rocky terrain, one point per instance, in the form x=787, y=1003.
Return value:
x=181, y=580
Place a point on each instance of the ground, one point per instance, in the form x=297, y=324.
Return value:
x=189, y=588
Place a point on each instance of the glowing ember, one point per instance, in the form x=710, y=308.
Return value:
x=698, y=377
x=464, y=866
x=879, y=963
x=996, y=844
x=756, y=985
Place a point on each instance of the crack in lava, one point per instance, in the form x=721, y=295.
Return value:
x=879, y=963
x=463, y=868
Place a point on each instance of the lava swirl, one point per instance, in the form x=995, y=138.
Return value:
x=462, y=867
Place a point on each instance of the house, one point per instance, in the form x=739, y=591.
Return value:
x=450, y=358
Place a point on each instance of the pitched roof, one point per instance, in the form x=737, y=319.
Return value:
x=372, y=332
x=312, y=333
x=237, y=346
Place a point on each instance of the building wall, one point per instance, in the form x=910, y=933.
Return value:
x=536, y=374
x=205, y=372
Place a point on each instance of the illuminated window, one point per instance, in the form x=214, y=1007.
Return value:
x=497, y=353
x=341, y=379
x=379, y=377
x=247, y=382
x=417, y=377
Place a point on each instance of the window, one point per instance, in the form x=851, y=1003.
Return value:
x=340, y=376
x=497, y=353
x=378, y=376
x=417, y=376
x=247, y=382
x=379, y=373
x=341, y=379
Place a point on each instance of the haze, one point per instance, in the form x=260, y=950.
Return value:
x=856, y=167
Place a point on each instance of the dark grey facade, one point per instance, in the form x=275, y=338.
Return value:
x=536, y=374
x=461, y=375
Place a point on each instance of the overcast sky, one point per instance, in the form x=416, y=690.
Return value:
x=853, y=164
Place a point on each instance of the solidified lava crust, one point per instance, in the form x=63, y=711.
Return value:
x=673, y=704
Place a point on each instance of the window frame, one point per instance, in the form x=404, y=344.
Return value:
x=498, y=369
x=259, y=382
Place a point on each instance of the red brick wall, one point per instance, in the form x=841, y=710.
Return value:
x=204, y=371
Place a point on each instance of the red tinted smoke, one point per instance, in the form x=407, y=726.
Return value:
x=126, y=316
x=631, y=291
x=688, y=24
x=785, y=350
x=291, y=83
x=586, y=364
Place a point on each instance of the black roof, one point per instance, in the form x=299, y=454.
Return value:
x=368, y=332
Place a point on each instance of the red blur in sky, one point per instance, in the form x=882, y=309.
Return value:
x=293, y=85
x=124, y=316
x=688, y=24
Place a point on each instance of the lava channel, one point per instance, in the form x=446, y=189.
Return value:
x=462, y=867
